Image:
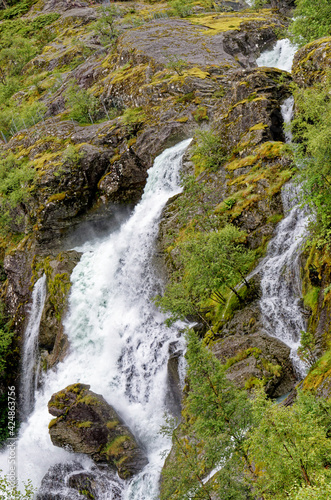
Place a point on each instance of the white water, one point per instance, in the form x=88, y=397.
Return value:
x=28, y=370
x=287, y=114
x=280, y=56
x=119, y=343
x=281, y=280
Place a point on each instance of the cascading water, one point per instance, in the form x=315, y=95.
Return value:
x=281, y=281
x=119, y=343
x=28, y=370
x=280, y=56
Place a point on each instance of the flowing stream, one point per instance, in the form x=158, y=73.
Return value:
x=119, y=345
x=280, y=56
x=28, y=370
x=280, y=270
x=281, y=280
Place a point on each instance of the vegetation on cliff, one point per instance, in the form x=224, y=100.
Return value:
x=253, y=446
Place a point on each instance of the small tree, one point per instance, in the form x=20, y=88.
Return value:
x=290, y=445
x=307, y=347
x=84, y=105
x=210, y=264
x=213, y=436
x=312, y=20
x=177, y=64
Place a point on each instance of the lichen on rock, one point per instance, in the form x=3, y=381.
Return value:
x=87, y=424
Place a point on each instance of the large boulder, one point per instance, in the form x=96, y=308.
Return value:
x=255, y=360
x=86, y=423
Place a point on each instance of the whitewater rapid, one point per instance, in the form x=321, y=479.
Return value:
x=119, y=343
x=280, y=56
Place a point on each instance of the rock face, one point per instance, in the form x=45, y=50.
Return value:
x=311, y=62
x=53, y=342
x=257, y=359
x=86, y=423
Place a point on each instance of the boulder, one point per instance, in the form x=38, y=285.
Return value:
x=86, y=423
x=257, y=359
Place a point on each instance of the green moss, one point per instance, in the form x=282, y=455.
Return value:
x=86, y=424
x=56, y=198
x=258, y=126
x=251, y=351
x=112, y=424
x=116, y=448
x=52, y=422
x=200, y=114
x=319, y=374
x=311, y=297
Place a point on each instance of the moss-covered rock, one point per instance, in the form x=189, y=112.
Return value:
x=86, y=423
x=53, y=342
x=312, y=62
x=257, y=360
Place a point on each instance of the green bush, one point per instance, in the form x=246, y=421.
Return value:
x=85, y=107
x=182, y=8
x=312, y=133
x=312, y=20
x=16, y=177
x=209, y=151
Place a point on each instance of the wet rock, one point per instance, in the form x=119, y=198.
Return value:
x=87, y=424
x=174, y=391
x=58, y=268
x=199, y=43
x=257, y=359
x=74, y=481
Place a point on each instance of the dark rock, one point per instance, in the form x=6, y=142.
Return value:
x=257, y=358
x=71, y=481
x=86, y=423
x=52, y=339
x=174, y=391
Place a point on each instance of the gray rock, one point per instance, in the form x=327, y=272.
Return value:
x=257, y=357
x=87, y=424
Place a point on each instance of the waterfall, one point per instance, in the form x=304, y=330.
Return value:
x=119, y=343
x=287, y=114
x=280, y=56
x=281, y=280
x=30, y=346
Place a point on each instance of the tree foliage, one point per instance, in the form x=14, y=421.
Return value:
x=312, y=133
x=84, y=105
x=219, y=415
x=312, y=20
x=9, y=490
x=254, y=447
x=210, y=265
x=290, y=446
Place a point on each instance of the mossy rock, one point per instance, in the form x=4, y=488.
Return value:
x=312, y=62
x=86, y=423
x=257, y=360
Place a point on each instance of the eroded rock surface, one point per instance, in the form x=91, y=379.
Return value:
x=87, y=424
x=255, y=359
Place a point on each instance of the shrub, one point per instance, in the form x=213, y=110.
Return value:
x=85, y=106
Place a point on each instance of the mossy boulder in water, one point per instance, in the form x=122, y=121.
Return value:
x=86, y=423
